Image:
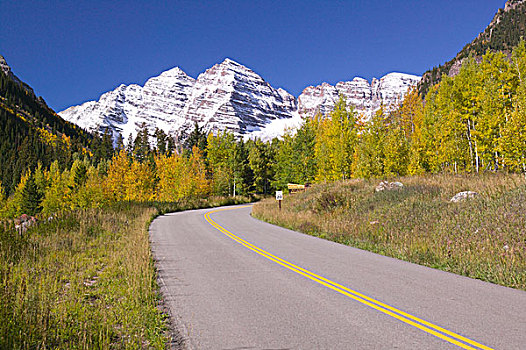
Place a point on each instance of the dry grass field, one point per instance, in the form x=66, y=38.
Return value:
x=86, y=279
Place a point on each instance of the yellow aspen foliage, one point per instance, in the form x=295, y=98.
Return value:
x=173, y=180
x=66, y=140
x=200, y=184
x=14, y=202
x=58, y=195
x=396, y=152
x=411, y=113
x=2, y=193
x=325, y=158
x=140, y=182
x=513, y=142
x=90, y=194
x=370, y=155
x=47, y=137
x=335, y=143
x=115, y=184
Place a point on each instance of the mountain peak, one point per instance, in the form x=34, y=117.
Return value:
x=4, y=66
x=173, y=72
x=226, y=96
x=230, y=62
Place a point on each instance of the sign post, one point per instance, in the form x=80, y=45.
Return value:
x=279, y=198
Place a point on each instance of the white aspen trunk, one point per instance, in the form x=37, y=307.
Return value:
x=468, y=134
x=476, y=157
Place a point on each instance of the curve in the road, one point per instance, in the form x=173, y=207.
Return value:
x=400, y=315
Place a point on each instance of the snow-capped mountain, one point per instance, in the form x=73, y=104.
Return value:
x=226, y=96
x=159, y=104
x=231, y=96
x=365, y=97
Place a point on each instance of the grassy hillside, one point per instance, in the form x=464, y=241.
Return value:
x=482, y=238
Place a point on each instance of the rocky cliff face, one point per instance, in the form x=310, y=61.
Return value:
x=226, y=96
x=365, y=97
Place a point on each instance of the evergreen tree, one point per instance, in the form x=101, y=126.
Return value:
x=141, y=144
x=107, y=144
x=129, y=145
x=162, y=141
x=120, y=143
x=243, y=174
x=197, y=138
x=3, y=202
x=31, y=198
x=80, y=174
x=170, y=146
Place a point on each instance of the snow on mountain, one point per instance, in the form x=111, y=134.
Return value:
x=159, y=104
x=227, y=96
x=365, y=97
x=231, y=96
x=316, y=99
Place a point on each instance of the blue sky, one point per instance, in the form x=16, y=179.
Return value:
x=73, y=51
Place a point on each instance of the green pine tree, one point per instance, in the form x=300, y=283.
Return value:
x=31, y=198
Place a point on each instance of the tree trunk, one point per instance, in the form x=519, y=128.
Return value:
x=476, y=157
x=468, y=134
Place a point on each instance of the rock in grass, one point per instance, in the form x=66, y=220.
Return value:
x=386, y=185
x=462, y=196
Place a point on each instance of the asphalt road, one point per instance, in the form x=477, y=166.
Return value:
x=233, y=282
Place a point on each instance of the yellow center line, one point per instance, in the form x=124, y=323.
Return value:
x=414, y=321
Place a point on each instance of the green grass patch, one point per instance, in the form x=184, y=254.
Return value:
x=482, y=238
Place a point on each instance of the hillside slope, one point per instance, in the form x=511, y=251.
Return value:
x=31, y=132
x=502, y=34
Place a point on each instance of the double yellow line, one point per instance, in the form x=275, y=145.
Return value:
x=414, y=321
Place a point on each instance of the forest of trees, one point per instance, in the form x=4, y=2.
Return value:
x=30, y=132
x=473, y=122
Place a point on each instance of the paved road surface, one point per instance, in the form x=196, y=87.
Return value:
x=233, y=282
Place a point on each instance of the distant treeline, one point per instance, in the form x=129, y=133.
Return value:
x=473, y=122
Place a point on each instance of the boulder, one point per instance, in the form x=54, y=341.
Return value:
x=462, y=196
x=386, y=185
